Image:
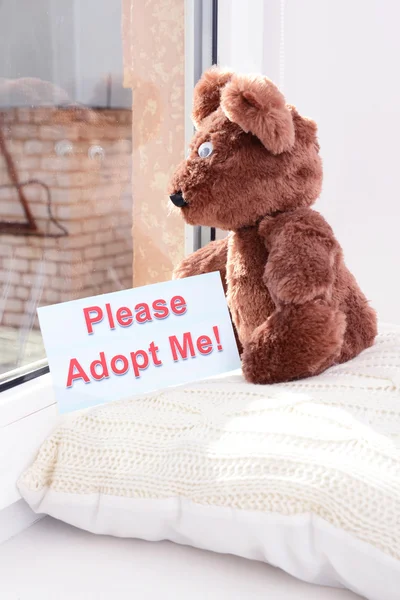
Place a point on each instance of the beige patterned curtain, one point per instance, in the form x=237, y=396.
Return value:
x=153, y=42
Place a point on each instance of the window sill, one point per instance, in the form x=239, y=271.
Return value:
x=22, y=401
x=28, y=413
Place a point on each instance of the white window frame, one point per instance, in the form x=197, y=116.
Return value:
x=28, y=412
x=199, y=17
x=241, y=34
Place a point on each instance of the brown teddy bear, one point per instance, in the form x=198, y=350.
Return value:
x=254, y=169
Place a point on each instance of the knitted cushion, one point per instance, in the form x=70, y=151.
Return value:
x=305, y=475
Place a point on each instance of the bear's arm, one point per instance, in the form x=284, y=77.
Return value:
x=302, y=255
x=211, y=257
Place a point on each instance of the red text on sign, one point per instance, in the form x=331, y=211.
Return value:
x=142, y=313
x=187, y=347
x=118, y=365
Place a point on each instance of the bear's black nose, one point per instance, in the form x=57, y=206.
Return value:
x=178, y=199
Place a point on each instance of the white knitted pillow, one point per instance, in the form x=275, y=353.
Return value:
x=305, y=476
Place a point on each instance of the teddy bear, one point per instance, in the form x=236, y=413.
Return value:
x=254, y=169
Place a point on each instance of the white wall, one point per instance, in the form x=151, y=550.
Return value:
x=338, y=63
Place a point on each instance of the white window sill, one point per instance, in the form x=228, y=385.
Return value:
x=28, y=412
x=23, y=400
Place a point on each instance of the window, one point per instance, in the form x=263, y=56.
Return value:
x=93, y=116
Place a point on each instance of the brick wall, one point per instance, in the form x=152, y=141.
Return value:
x=84, y=159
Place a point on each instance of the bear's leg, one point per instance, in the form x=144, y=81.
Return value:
x=296, y=341
x=361, y=327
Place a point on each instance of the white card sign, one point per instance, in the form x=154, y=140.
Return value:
x=116, y=345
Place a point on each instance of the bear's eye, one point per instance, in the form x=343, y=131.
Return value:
x=205, y=150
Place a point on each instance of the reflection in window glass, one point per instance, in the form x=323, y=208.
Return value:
x=65, y=162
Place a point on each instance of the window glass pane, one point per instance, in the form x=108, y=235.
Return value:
x=84, y=163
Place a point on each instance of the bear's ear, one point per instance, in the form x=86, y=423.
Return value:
x=257, y=106
x=207, y=93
